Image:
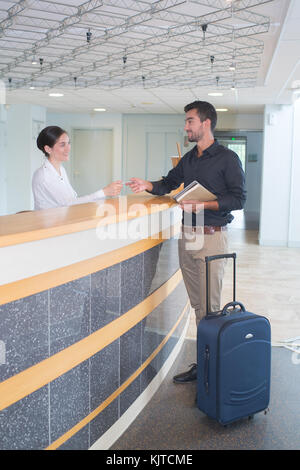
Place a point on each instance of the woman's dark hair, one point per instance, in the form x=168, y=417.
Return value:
x=49, y=136
x=205, y=111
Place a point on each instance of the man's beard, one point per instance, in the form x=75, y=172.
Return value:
x=195, y=137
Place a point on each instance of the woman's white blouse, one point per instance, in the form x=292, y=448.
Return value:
x=53, y=190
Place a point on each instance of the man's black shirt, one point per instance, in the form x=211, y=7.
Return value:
x=219, y=169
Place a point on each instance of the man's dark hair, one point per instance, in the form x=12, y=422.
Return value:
x=205, y=111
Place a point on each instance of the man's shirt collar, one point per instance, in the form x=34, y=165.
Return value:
x=209, y=151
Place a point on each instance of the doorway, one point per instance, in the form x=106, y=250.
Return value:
x=248, y=145
x=236, y=144
x=92, y=162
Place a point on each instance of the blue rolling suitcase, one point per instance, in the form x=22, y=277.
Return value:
x=234, y=359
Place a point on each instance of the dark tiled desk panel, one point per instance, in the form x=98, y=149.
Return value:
x=36, y=327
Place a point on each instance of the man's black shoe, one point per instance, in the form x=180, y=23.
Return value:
x=188, y=376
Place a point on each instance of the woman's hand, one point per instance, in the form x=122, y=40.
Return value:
x=113, y=189
x=137, y=185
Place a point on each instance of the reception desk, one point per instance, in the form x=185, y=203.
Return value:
x=93, y=312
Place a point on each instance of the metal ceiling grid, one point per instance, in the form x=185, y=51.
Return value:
x=111, y=44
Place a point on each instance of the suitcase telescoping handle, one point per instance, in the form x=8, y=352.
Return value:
x=226, y=307
x=225, y=310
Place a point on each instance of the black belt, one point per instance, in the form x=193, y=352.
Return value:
x=207, y=229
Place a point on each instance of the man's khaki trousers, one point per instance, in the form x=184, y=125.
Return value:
x=192, y=249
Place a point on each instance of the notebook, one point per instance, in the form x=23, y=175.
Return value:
x=195, y=191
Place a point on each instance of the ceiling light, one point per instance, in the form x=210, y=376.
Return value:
x=232, y=67
x=34, y=61
x=221, y=110
x=296, y=84
x=99, y=109
x=56, y=95
x=217, y=93
x=32, y=87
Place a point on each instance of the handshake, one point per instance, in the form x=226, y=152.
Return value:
x=136, y=185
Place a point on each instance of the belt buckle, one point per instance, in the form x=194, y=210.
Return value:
x=209, y=229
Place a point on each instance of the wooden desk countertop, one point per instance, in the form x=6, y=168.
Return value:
x=38, y=225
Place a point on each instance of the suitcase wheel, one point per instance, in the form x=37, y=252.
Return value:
x=250, y=417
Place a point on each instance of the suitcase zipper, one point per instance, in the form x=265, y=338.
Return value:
x=206, y=369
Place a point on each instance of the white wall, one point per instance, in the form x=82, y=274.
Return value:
x=18, y=158
x=239, y=121
x=138, y=153
x=3, y=160
x=279, y=224
x=21, y=160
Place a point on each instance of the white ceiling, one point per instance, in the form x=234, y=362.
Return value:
x=164, y=41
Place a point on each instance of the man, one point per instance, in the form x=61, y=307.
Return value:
x=220, y=171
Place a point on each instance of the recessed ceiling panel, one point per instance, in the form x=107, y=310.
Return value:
x=118, y=45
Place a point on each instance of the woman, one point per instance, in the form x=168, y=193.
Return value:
x=50, y=183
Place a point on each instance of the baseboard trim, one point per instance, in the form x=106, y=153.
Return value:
x=294, y=244
x=264, y=242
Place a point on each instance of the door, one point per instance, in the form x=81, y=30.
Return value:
x=92, y=159
x=160, y=147
x=3, y=206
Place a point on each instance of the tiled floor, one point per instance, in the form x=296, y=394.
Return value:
x=171, y=420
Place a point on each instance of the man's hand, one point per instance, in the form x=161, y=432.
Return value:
x=192, y=205
x=137, y=185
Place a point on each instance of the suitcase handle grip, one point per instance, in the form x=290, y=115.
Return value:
x=226, y=255
x=232, y=304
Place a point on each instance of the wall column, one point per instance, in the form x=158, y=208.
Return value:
x=276, y=175
x=294, y=219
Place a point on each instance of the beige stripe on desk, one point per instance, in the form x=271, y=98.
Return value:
x=28, y=381
x=41, y=282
